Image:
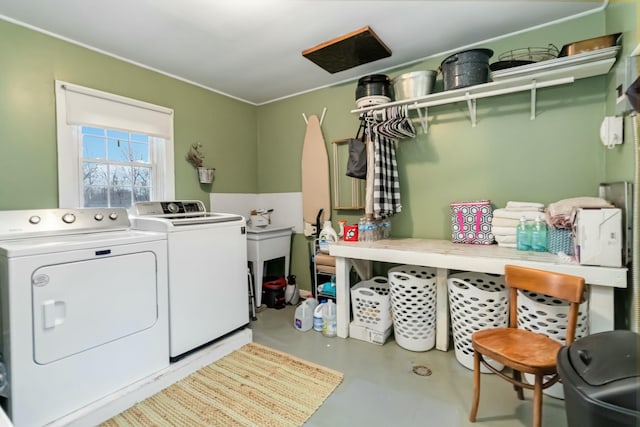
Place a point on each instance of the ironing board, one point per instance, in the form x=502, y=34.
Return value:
x=315, y=173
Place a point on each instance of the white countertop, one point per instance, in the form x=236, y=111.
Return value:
x=445, y=256
x=481, y=258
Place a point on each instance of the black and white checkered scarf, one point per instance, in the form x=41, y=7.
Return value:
x=386, y=185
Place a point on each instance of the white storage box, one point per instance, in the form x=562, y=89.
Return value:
x=369, y=335
x=599, y=237
x=371, y=304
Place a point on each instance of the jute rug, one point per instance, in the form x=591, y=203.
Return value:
x=253, y=386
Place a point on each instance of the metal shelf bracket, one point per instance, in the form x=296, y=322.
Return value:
x=471, y=104
x=424, y=118
x=533, y=99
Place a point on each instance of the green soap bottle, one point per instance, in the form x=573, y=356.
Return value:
x=539, y=235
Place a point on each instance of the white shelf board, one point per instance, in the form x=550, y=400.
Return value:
x=554, y=77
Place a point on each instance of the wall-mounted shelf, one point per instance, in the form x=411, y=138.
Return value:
x=532, y=81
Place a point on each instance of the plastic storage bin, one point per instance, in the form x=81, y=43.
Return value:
x=371, y=305
x=600, y=375
x=477, y=301
x=413, y=306
x=548, y=315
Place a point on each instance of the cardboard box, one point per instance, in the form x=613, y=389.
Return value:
x=365, y=334
x=599, y=237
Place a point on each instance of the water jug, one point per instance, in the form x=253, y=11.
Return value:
x=303, y=319
x=329, y=315
x=318, y=321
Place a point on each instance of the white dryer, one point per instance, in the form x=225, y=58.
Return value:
x=207, y=258
x=84, y=309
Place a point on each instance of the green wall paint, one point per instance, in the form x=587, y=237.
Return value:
x=258, y=149
x=622, y=17
x=227, y=128
x=506, y=157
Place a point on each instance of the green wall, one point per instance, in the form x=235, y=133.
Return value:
x=506, y=157
x=31, y=62
x=621, y=17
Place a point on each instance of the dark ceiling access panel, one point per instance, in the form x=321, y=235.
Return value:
x=350, y=50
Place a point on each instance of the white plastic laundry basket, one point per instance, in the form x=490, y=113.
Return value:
x=548, y=315
x=477, y=301
x=413, y=305
x=371, y=305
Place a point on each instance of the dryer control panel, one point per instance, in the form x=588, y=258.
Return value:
x=20, y=224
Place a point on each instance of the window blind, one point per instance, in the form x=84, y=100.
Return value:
x=85, y=106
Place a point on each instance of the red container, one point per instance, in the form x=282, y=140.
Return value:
x=350, y=233
x=273, y=292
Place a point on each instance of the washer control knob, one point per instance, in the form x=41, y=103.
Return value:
x=173, y=208
x=69, y=218
x=113, y=216
x=98, y=217
x=34, y=219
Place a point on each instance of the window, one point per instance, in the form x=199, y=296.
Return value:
x=116, y=167
x=112, y=151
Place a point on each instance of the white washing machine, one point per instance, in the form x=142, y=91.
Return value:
x=83, y=302
x=207, y=258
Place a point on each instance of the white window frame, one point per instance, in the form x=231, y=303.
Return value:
x=109, y=111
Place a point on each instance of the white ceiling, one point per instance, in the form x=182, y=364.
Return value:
x=251, y=49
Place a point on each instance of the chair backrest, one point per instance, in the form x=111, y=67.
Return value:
x=562, y=286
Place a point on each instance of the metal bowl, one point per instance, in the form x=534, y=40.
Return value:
x=414, y=84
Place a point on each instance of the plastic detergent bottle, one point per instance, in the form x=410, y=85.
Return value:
x=523, y=235
x=318, y=321
x=329, y=316
x=328, y=234
x=539, y=235
x=303, y=319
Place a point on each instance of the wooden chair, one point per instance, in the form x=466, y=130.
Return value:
x=521, y=350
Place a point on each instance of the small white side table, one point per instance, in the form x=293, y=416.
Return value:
x=265, y=244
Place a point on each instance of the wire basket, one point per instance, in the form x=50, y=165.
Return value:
x=371, y=304
x=413, y=305
x=548, y=315
x=478, y=301
x=534, y=54
x=559, y=240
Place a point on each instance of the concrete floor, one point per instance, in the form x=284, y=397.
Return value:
x=380, y=389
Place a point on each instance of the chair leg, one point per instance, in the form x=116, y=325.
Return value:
x=537, y=401
x=476, y=386
x=517, y=375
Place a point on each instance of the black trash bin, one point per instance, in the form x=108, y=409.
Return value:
x=600, y=376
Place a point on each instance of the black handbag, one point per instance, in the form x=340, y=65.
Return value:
x=357, y=162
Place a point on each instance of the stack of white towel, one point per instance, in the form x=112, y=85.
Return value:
x=505, y=220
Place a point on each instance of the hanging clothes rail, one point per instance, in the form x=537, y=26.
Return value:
x=468, y=95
